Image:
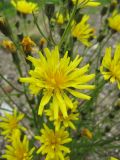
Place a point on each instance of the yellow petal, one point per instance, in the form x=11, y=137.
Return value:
x=55, y=107
x=85, y=78
x=112, y=79
x=107, y=58
x=68, y=100
x=61, y=104
x=45, y=99
x=79, y=95
x=118, y=82
x=93, y=4
x=117, y=54
x=24, y=80
x=84, y=86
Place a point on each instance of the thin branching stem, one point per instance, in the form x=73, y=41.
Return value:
x=10, y=83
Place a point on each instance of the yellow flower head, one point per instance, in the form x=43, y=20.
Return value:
x=52, y=143
x=24, y=7
x=59, y=18
x=7, y=44
x=67, y=121
x=83, y=32
x=10, y=123
x=84, y=3
x=86, y=132
x=56, y=77
x=110, y=67
x=27, y=44
x=113, y=21
x=19, y=149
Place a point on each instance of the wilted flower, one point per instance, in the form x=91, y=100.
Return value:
x=9, y=45
x=27, y=44
x=86, y=132
x=4, y=27
x=42, y=42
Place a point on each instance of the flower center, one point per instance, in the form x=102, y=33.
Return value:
x=56, y=80
x=21, y=155
x=60, y=115
x=54, y=141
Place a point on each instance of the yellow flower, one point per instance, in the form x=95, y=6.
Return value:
x=27, y=44
x=10, y=123
x=67, y=121
x=110, y=67
x=19, y=149
x=7, y=44
x=113, y=21
x=83, y=32
x=52, y=143
x=55, y=77
x=59, y=18
x=84, y=3
x=86, y=132
x=24, y=7
x=113, y=158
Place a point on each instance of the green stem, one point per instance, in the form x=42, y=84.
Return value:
x=10, y=83
x=104, y=142
x=25, y=25
x=4, y=109
x=20, y=73
x=48, y=32
x=33, y=112
x=38, y=27
x=51, y=37
x=94, y=94
x=12, y=101
x=68, y=25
